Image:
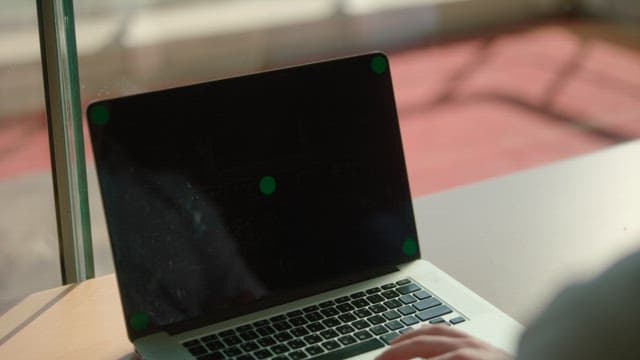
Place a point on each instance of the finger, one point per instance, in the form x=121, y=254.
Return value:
x=422, y=346
x=438, y=330
x=473, y=354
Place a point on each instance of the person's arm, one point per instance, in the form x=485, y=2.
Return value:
x=595, y=320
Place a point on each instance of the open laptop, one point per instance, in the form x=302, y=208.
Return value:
x=269, y=216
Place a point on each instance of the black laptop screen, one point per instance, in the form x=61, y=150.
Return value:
x=231, y=193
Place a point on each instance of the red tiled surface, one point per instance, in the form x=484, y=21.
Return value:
x=473, y=109
x=489, y=106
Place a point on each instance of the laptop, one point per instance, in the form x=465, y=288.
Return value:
x=268, y=216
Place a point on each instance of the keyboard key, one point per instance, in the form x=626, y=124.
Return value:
x=345, y=329
x=345, y=307
x=376, y=319
x=406, y=310
x=312, y=339
x=362, y=313
x=245, y=357
x=377, y=308
x=282, y=325
x=232, y=340
x=348, y=317
x=232, y=351
x=212, y=356
x=457, y=320
x=310, y=309
x=407, y=289
x=244, y=328
x=279, y=349
x=388, y=286
x=266, y=341
x=360, y=324
x=405, y=330
x=360, y=303
x=261, y=323
x=329, y=334
x=197, y=350
x=227, y=333
x=425, y=304
x=208, y=338
x=329, y=312
x=298, y=321
x=373, y=290
x=249, y=335
x=314, y=316
x=314, y=350
x=331, y=322
x=409, y=320
x=327, y=304
x=437, y=321
x=299, y=332
x=379, y=330
x=362, y=335
x=391, y=315
x=421, y=295
x=298, y=355
x=215, y=345
x=347, y=340
x=392, y=304
x=352, y=350
x=403, y=282
x=390, y=336
x=249, y=346
x=278, y=318
x=294, y=313
x=407, y=299
x=375, y=298
x=283, y=336
x=358, y=295
x=296, y=344
x=394, y=325
x=433, y=312
x=342, y=299
x=330, y=345
x=262, y=354
x=191, y=343
x=266, y=330
x=315, y=327
x=390, y=294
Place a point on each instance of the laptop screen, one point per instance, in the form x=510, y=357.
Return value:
x=223, y=196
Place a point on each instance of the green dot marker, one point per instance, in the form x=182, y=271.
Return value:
x=99, y=114
x=267, y=185
x=139, y=321
x=409, y=246
x=378, y=64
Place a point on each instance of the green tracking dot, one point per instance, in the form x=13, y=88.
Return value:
x=99, y=114
x=410, y=246
x=267, y=185
x=378, y=64
x=139, y=321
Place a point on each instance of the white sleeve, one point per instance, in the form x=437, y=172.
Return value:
x=599, y=319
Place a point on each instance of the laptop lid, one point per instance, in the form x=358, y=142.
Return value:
x=230, y=196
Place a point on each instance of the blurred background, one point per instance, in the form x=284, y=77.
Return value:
x=483, y=87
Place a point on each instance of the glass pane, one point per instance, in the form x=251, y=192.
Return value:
x=483, y=87
x=29, y=257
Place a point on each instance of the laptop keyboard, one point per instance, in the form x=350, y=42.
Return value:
x=335, y=329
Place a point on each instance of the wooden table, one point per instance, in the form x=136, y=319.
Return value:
x=514, y=240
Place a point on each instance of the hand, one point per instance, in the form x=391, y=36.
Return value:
x=441, y=342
